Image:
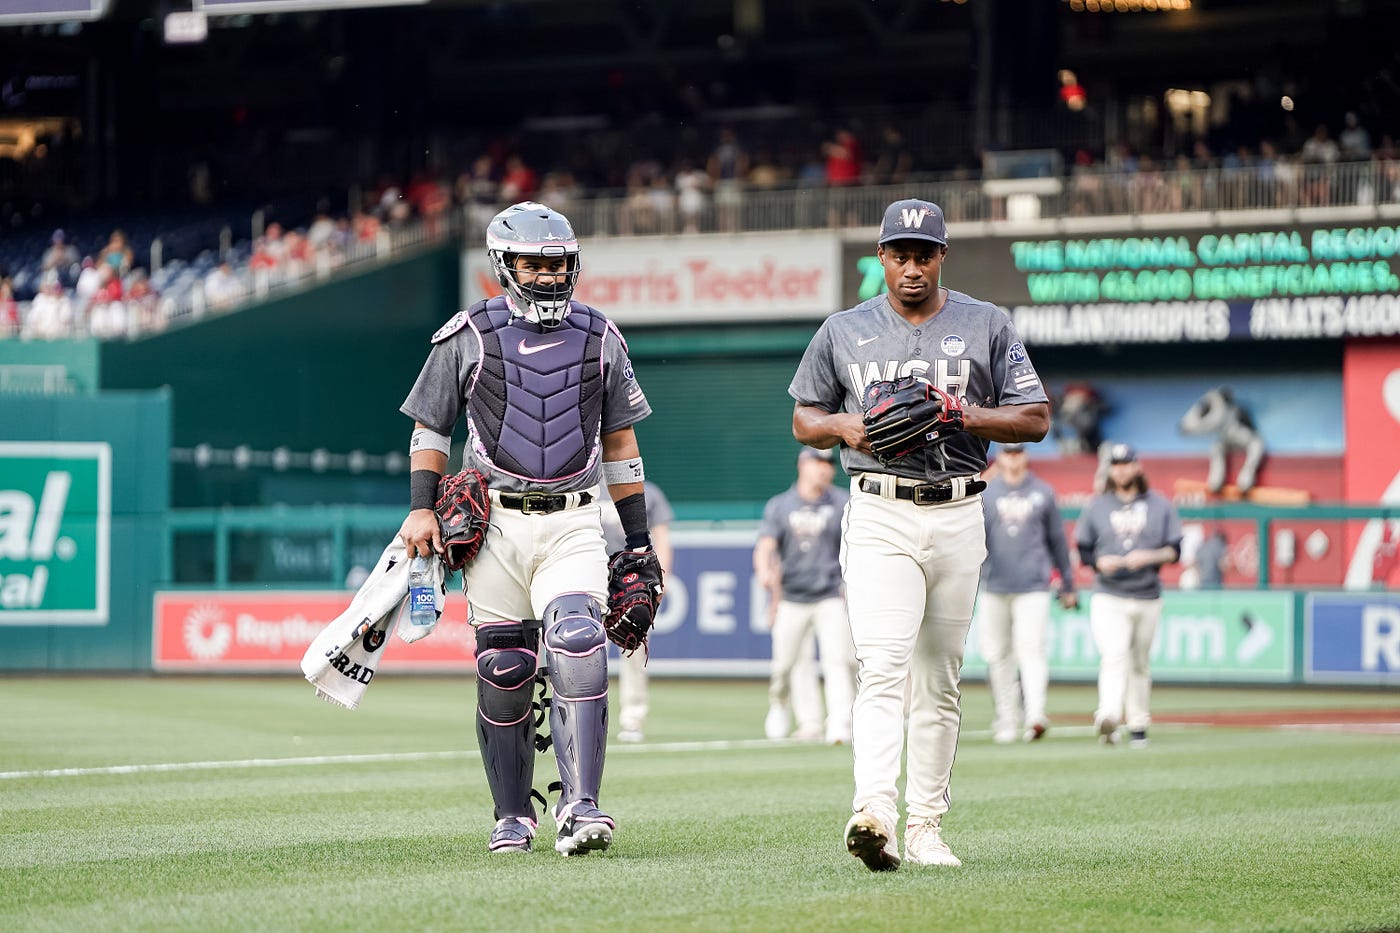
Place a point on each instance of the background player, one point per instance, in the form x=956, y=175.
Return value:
x=632, y=685
x=914, y=536
x=1126, y=534
x=544, y=557
x=1025, y=539
x=797, y=558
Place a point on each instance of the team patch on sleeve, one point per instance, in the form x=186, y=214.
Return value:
x=1025, y=379
x=454, y=324
x=1016, y=354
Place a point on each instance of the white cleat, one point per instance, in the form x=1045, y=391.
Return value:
x=777, y=723
x=872, y=840
x=1004, y=736
x=923, y=845
x=631, y=736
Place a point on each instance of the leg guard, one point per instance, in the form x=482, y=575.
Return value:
x=505, y=725
x=578, y=671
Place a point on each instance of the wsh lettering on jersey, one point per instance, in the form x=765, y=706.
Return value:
x=1014, y=511
x=950, y=376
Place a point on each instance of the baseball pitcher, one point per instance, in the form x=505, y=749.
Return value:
x=912, y=385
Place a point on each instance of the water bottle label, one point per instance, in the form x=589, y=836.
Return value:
x=424, y=602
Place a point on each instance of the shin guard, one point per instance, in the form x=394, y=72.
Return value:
x=506, y=659
x=578, y=671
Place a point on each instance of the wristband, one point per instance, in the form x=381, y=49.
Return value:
x=422, y=489
x=632, y=513
x=623, y=471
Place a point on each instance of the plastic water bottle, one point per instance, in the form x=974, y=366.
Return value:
x=422, y=601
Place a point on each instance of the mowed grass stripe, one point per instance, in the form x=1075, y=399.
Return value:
x=1210, y=829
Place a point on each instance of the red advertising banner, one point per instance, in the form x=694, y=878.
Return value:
x=1371, y=401
x=269, y=631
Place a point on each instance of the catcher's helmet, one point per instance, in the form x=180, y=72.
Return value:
x=531, y=229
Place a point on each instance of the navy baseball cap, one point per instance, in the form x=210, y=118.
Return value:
x=813, y=453
x=1122, y=453
x=914, y=220
x=1013, y=448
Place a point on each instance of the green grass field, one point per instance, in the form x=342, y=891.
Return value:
x=1209, y=829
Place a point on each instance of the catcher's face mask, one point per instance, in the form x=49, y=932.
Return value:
x=535, y=257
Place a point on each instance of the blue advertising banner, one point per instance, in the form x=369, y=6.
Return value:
x=713, y=620
x=1352, y=638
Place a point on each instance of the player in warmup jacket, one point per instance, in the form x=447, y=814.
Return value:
x=1025, y=539
x=797, y=558
x=914, y=539
x=1126, y=533
x=633, y=689
x=502, y=365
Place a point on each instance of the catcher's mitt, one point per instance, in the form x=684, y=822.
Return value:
x=907, y=414
x=464, y=508
x=634, y=593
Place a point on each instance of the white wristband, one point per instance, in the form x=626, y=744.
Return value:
x=428, y=439
x=623, y=471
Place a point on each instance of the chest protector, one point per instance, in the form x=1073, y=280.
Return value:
x=537, y=400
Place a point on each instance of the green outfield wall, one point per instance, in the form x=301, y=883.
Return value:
x=84, y=489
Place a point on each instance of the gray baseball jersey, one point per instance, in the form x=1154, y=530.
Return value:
x=969, y=349
x=1025, y=537
x=659, y=512
x=809, y=542
x=1108, y=525
x=439, y=398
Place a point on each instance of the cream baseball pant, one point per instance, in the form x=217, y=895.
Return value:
x=529, y=559
x=911, y=583
x=793, y=676
x=1123, y=631
x=1011, y=629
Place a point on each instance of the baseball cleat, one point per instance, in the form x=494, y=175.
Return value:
x=1108, y=730
x=631, y=736
x=512, y=834
x=1004, y=736
x=1137, y=738
x=872, y=840
x=923, y=845
x=776, y=723
x=1036, y=731
x=583, y=828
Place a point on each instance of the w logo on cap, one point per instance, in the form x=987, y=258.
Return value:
x=912, y=217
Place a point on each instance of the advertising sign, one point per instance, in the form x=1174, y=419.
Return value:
x=1371, y=406
x=264, y=631
x=1352, y=638
x=691, y=280
x=1192, y=286
x=55, y=533
x=1203, y=636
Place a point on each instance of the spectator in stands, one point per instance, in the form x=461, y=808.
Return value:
x=691, y=194
x=321, y=232
x=108, y=318
x=1318, y=154
x=893, y=160
x=117, y=253
x=89, y=283
x=519, y=183
x=143, y=304
x=1086, y=185
x=559, y=190
x=50, y=314
x=221, y=287
x=1354, y=141
x=843, y=156
x=60, y=255
x=479, y=191
x=727, y=167
x=9, y=310
x=766, y=172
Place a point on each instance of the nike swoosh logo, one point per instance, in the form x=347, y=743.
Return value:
x=498, y=670
x=861, y=343
x=526, y=350
x=572, y=632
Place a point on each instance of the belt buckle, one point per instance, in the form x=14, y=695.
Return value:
x=928, y=494
x=536, y=503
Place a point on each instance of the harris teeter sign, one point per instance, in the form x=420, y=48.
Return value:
x=55, y=533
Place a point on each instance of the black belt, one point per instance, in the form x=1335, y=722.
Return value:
x=924, y=493
x=542, y=502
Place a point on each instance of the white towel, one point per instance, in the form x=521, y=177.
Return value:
x=341, y=661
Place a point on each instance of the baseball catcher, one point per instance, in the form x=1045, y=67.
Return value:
x=906, y=414
x=634, y=593
x=464, y=508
